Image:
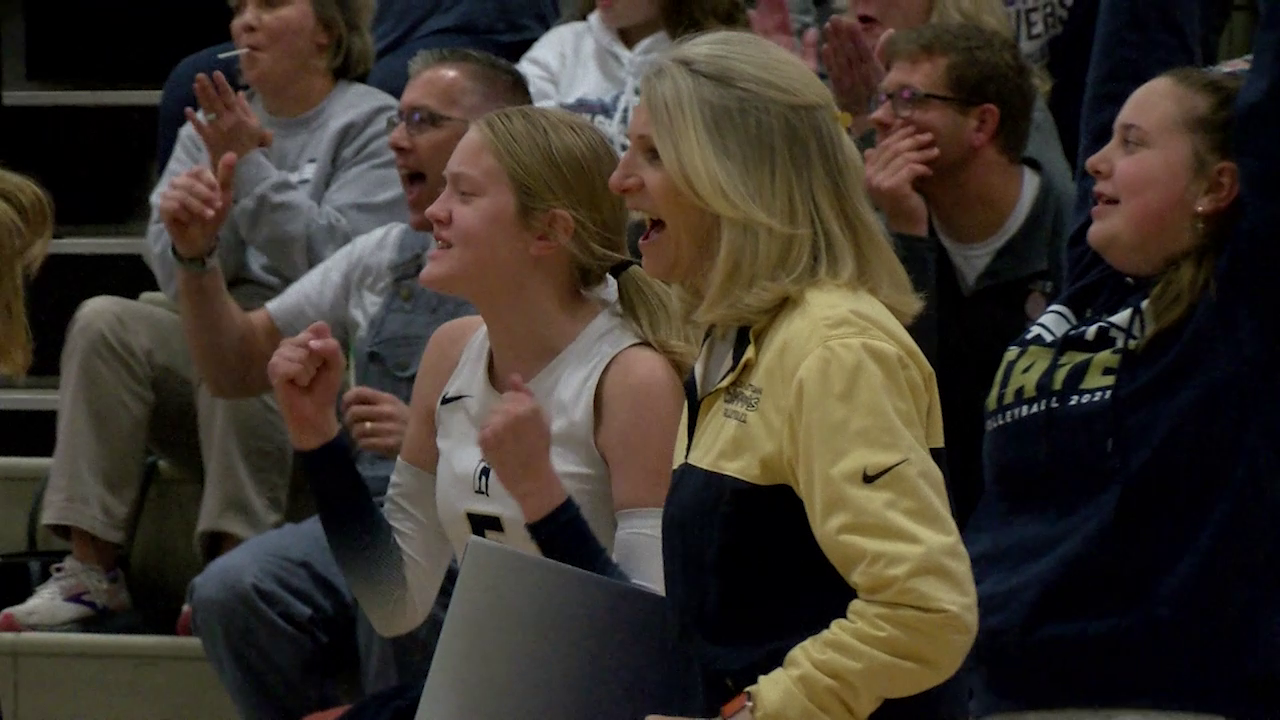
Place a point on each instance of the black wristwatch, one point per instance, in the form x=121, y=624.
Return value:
x=196, y=264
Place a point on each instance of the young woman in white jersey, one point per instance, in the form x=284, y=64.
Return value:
x=548, y=422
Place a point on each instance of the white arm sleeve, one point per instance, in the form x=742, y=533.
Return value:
x=397, y=576
x=637, y=547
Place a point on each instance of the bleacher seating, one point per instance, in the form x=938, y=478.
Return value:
x=79, y=86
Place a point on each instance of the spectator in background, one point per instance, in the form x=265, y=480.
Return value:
x=276, y=618
x=313, y=172
x=1057, y=35
x=26, y=226
x=852, y=57
x=592, y=65
x=792, y=24
x=805, y=17
x=980, y=228
x=401, y=29
x=1126, y=548
x=810, y=554
x=856, y=69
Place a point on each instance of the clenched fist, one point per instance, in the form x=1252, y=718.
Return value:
x=516, y=442
x=306, y=372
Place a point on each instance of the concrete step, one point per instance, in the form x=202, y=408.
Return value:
x=19, y=479
x=163, y=557
x=80, y=98
x=65, y=676
x=29, y=399
x=97, y=246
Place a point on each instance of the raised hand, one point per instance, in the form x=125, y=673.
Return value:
x=772, y=20
x=195, y=205
x=893, y=167
x=516, y=442
x=229, y=124
x=306, y=372
x=854, y=67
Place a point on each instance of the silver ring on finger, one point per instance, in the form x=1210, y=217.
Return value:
x=368, y=427
x=211, y=117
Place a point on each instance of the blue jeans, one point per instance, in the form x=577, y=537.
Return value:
x=281, y=629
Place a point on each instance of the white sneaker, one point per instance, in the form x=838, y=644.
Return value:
x=76, y=592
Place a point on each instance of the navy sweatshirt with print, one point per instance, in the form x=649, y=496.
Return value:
x=1127, y=550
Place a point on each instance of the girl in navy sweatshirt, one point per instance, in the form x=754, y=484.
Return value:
x=1127, y=551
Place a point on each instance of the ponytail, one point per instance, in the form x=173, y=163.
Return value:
x=651, y=306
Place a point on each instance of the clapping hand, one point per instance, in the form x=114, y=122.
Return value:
x=229, y=124
x=772, y=20
x=854, y=67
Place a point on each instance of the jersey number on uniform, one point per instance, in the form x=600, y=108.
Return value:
x=482, y=525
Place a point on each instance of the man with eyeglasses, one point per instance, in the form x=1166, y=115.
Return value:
x=274, y=614
x=980, y=226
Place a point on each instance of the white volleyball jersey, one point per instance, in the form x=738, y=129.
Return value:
x=470, y=497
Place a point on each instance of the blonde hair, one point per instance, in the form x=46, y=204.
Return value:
x=349, y=23
x=751, y=135
x=26, y=226
x=556, y=160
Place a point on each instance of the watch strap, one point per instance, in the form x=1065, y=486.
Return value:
x=195, y=264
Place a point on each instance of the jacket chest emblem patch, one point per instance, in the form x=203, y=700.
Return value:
x=740, y=400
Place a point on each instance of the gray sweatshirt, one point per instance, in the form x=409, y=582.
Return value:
x=328, y=176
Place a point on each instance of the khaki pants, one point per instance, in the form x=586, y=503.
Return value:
x=128, y=385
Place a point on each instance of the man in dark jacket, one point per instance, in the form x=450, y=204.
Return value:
x=979, y=226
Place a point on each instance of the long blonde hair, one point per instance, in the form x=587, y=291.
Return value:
x=751, y=135
x=26, y=226
x=556, y=160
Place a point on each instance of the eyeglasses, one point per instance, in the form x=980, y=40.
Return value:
x=419, y=120
x=907, y=100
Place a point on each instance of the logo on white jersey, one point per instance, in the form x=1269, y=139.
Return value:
x=480, y=478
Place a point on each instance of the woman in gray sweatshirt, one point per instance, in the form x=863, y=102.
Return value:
x=314, y=170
